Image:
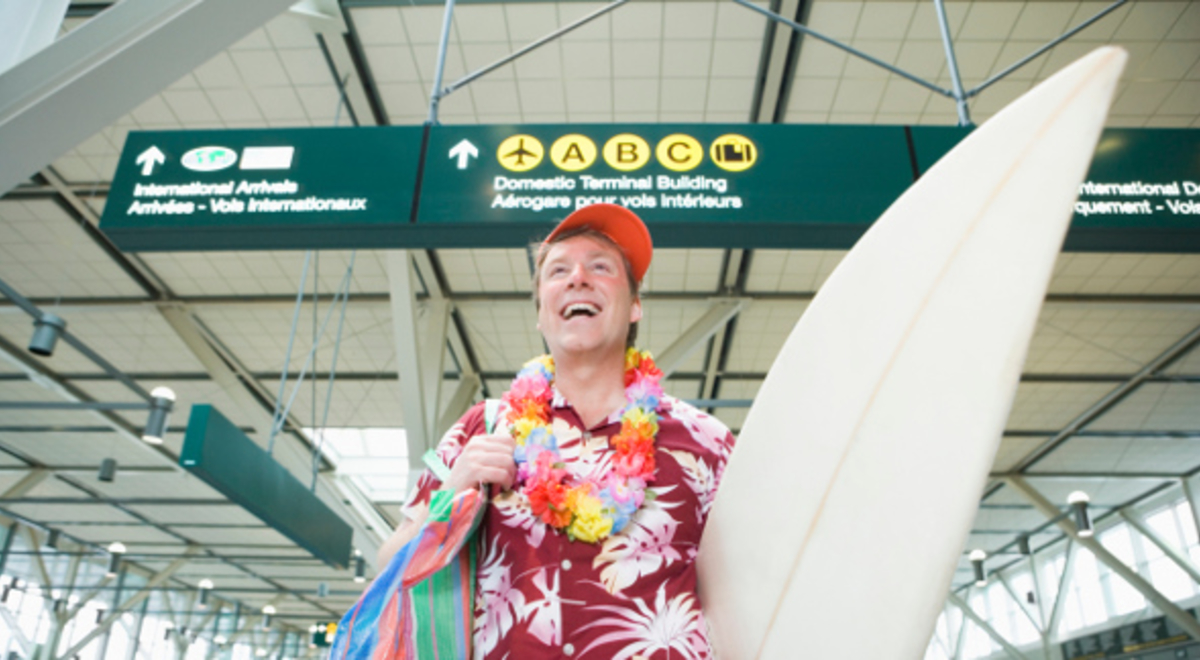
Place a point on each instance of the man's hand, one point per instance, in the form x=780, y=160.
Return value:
x=485, y=459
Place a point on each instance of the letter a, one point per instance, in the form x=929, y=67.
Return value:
x=574, y=152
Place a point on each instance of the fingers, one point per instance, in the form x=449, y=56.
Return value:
x=487, y=459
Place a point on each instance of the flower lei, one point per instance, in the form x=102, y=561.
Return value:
x=589, y=509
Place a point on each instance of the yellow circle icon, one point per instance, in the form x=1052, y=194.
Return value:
x=520, y=153
x=626, y=152
x=573, y=152
x=679, y=152
x=733, y=153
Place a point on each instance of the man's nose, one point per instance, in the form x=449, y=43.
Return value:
x=578, y=274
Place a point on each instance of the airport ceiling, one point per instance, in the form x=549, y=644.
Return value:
x=1109, y=401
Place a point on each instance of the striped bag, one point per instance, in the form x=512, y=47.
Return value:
x=422, y=604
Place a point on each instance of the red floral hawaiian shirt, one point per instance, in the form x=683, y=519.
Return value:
x=631, y=596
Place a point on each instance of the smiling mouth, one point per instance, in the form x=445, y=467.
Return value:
x=580, y=309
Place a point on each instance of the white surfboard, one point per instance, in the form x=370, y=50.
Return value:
x=847, y=502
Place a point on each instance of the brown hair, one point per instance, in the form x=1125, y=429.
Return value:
x=541, y=249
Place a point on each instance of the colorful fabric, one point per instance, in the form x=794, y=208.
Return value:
x=587, y=506
x=420, y=605
x=633, y=595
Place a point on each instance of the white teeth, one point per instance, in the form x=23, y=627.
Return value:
x=580, y=308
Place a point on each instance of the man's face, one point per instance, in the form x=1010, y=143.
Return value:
x=585, y=304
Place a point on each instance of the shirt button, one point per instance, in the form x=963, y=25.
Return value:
x=587, y=435
x=566, y=564
x=569, y=649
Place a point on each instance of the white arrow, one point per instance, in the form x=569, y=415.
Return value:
x=149, y=158
x=464, y=151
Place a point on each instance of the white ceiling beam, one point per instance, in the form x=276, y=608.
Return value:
x=459, y=403
x=49, y=381
x=776, y=65
x=1156, y=598
x=1191, y=500
x=457, y=341
x=68, y=91
x=18, y=633
x=1021, y=604
x=1154, y=537
x=292, y=453
x=364, y=508
x=986, y=627
x=26, y=484
x=720, y=310
x=117, y=612
x=27, y=27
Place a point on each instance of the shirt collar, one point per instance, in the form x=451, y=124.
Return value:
x=560, y=401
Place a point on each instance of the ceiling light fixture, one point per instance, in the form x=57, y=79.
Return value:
x=162, y=400
x=46, y=330
x=206, y=586
x=115, y=550
x=108, y=470
x=268, y=611
x=1079, y=505
x=1023, y=545
x=977, y=556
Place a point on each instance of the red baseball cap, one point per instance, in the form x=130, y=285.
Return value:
x=619, y=224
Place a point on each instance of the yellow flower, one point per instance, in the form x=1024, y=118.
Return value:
x=632, y=358
x=523, y=426
x=642, y=420
x=544, y=360
x=590, y=524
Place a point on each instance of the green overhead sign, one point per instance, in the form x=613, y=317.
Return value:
x=256, y=189
x=698, y=185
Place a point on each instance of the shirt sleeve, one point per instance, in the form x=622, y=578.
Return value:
x=449, y=448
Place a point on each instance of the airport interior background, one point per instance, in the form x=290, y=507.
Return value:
x=1085, y=542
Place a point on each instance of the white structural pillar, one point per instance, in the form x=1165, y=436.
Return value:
x=413, y=359
x=27, y=27
x=1156, y=598
x=69, y=90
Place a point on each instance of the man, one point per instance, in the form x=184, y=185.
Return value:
x=600, y=484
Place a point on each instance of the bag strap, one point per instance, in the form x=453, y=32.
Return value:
x=491, y=412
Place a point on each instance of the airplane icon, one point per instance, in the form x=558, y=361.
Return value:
x=520, y=152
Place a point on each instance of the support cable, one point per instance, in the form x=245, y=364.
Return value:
x=440, y=66
x=337, y=344
x=276, y=422
x=343, y=292
x=960, y=99
x=849, y=49
x=1037, y=53
x=471, y=77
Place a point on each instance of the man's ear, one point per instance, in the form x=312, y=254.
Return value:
x=635, y=311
